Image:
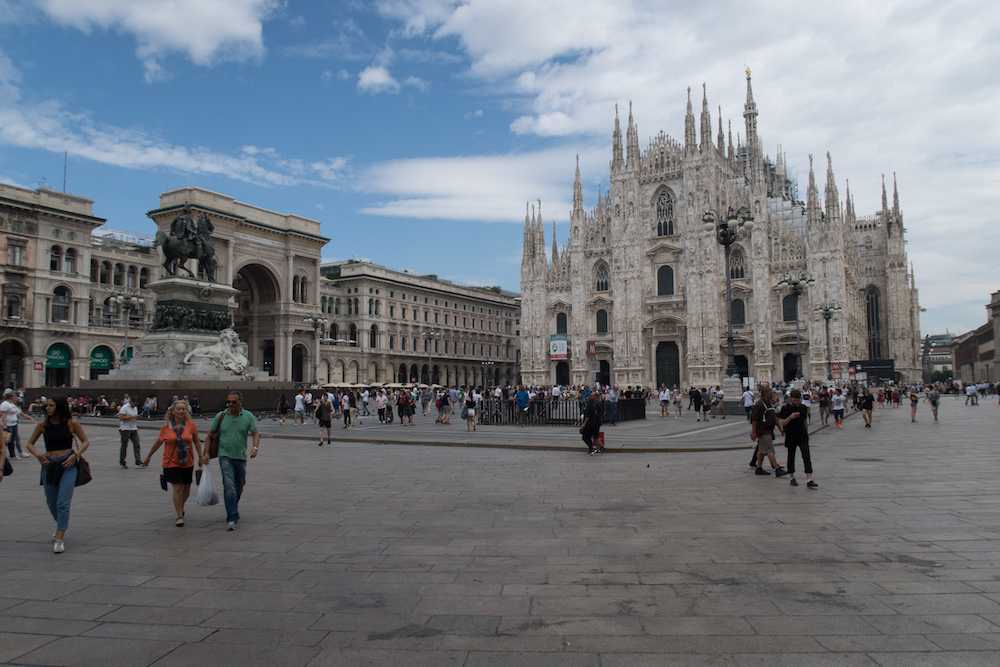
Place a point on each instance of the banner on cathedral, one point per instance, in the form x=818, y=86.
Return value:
x=557, y=346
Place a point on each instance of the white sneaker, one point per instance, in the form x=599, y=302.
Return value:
x=231, y=525
x=59, y=547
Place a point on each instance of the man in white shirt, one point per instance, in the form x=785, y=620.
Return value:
x=307, y=403
x=664, y=397
x=9, y=413
x=128, y=429
x=747, y=401
x=300, y=408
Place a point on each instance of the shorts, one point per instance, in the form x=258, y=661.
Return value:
x=324, y=423
x=664, y=402
x=838, y=414
x=471, y=412
x=446, y=409
x=765, y=444
x=178, y=475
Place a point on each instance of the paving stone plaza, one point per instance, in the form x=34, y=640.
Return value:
x=388, y=550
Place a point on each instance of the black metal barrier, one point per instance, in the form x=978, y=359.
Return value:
x=551, y=412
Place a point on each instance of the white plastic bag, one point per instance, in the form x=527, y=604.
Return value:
x=207, y=494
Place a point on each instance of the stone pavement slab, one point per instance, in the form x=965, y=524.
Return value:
x=386, y=550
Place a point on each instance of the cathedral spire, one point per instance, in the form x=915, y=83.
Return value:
x=721, y=138
x=812, y=198
x=754, y=163
x=632, y=142
x=690, y=140
x=616, y=146
x=730, y=151
x=555, y=248
x=848, y=206
x=897, y=217
x=832, y=195
x=706, y=121
x=886, y=220
x=577, y=188
x=527, y=232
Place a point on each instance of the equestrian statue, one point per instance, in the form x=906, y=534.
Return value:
x=188, y=240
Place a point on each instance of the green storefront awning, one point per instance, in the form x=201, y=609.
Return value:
x=101, y=358
x=57, y=357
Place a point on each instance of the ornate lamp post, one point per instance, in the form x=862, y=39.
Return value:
x=727, y=229
x=828, y=309
x=317, y=321
x=126, y=302
x=430, y=335
x=797, y=284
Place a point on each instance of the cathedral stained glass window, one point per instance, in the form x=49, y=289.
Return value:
x=737, y=264
x=602, y=278
x=664, y=215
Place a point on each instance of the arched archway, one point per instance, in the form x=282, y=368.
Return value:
x=58, y=361
x=373, y=373
x=352, y=372
x=402, y=376
x=260, y=291
x=562, y=373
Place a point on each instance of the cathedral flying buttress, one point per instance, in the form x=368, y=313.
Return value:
x=638, y=290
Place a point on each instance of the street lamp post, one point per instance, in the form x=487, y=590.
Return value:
x=126, y=302
x=430, y=335
x=828, y=309
x=797, y=284
x=727, y=229
x=317, y=321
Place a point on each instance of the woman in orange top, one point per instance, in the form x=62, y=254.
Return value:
x=178, y=436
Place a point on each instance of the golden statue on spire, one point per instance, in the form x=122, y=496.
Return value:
x=748, y=73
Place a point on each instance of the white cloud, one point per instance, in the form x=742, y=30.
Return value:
x=376, y=79
x=480, y=188
x=47, y=126
x=206, y=31
x=417, y=83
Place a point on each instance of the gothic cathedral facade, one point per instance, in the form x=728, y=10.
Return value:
x=638, y=292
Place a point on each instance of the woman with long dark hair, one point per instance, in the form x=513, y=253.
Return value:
x=179, y=436
x=59, y=461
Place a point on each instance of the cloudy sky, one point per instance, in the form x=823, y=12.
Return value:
x=416, y=130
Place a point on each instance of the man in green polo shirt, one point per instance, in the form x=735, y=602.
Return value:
x=232, y=427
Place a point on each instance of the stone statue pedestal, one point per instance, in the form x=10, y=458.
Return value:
x=732, y=385
x=191, y=315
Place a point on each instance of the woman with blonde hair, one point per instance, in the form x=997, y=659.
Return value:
x=179, y=437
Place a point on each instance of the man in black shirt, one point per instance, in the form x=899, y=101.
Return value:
x=792, y=419
x=867, y=402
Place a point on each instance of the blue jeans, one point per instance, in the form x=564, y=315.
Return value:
x=234, y=475
x=13, y=441
x=614, y=411
x=59, y=496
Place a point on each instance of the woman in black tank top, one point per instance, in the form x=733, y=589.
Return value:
x=58, y=475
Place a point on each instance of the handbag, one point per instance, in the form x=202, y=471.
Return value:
x=8, y=469
x=83, y=475
x=465, y=413
x=212, y=441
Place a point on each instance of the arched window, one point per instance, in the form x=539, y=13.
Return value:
x=333, y=331
x=303, y=290
x=350, y=306
x=739, y=312
x=561, y=327
x=132, y=277
x=60, y=304
x=737, y=264
x=378, y=308
x=873, y=317
x=295, y=289
x=790, y=308
x=55, y=259
x=322, y=304
x=119, y=274
x=373, y=337
x=602, y=321
x=602, y=278
x=94, y=270
x=105, y=273
x=69, y=264
x=357, y=307
x=336, y=307
x=143, y=277
x=371, y=306
x=665, y=281
x=354, y=333
x=664, y=215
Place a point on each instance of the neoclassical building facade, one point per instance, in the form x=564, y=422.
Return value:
x=638, y=291
x=381, y=325
x=64, y=273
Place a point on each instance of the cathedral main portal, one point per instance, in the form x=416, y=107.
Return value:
x=668, y=365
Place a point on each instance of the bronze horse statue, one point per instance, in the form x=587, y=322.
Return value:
x=188, y=240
